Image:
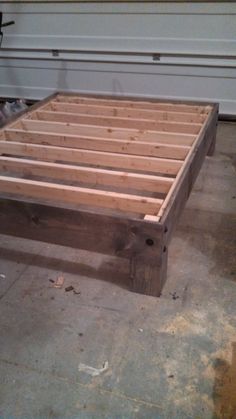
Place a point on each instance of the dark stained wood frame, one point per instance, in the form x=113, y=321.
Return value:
x=143, y=241
x=116, y=1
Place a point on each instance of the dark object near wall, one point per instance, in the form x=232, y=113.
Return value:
x=3, y=25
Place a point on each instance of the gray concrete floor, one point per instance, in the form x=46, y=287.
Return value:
x=172, y=357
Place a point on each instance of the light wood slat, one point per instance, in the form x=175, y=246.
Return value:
x=136, y=104
x=111, y=133
x=47, y=153
x=184, y=166
x=168, y=198
x=76, y=195
x=86, y=174
x=181, y=127
x=119, y=146
x=125, y=112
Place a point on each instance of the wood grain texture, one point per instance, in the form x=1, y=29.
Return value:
x=80, y=229
x=125, y=112
x=81, y=174
x=148, y=277
x=185, y=184
x=77, y=195
x=103, y=132
x=134, y=102
x=108, y=121
x=98, y=158
x=212, y=146
x=100, y=144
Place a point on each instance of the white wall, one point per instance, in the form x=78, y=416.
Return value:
x=113, y=46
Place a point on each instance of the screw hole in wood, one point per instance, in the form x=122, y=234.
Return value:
x=149, y=242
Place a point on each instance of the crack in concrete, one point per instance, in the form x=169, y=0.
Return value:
x=73, y=382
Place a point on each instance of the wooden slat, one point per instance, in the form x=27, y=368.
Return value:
x=197, y=146
x=194, y=150
x=124, y=112
x=76, y=195
x=96, y=143
x=107, y=121
x=178, y=195
x=136, y=104
x=111, y=133
x=125, y=161
x=86, y=174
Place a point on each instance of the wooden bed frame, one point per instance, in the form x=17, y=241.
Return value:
x=104, y=174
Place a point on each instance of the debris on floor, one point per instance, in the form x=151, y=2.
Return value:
x=59, y=282
x=76, y=292
x=174, y=295
x=2, y=276
x=94, y=372
x=70, y=288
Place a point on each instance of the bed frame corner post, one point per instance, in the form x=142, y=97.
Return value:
x=212, y=146
x=148, y=276
x=211, y=149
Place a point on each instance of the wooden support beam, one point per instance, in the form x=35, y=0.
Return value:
x=97, y=158
x=182, y=186
x=76, y=195
x=149, y=275
x=89, y=175
x=100, y=144
x=101, y=132
x=211, y=149
x=80, y=229
x=108, y=121
x=135, y=104
x=124, y=112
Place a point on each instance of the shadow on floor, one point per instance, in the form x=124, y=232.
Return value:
x=224, y=390
x=113, y=271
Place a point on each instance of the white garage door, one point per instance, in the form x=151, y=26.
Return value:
x=171, y=50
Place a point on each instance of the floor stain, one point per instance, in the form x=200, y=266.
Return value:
x=231, y=157
x=224, y=390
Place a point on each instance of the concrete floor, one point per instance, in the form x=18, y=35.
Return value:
x=172, y=357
